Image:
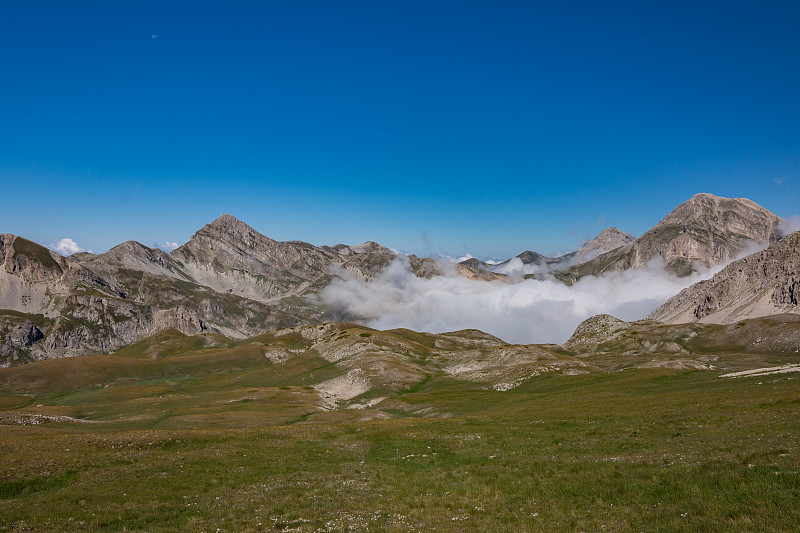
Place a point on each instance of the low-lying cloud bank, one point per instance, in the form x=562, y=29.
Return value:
x=529, y=311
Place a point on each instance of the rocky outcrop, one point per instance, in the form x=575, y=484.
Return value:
x=476, y=269
x=594, y=331
x=763, y=283
x=17, y=338
x=616, y=345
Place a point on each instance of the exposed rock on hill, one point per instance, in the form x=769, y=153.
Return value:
x=612, y=344
x=706, y=229
x=763, y=283
x=17, y=336
x=478, y=270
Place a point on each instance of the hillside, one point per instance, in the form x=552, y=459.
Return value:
x=400, y=430
x=763, y=283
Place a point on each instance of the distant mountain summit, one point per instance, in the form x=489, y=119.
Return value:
x=608, y=239
x=761, y=284
x=705, y=229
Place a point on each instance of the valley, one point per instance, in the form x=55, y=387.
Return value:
x=216, y=389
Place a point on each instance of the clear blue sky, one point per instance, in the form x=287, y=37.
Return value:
x=452, y=127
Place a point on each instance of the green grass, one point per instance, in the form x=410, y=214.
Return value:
x=197, y=433
x=37, y=320
x=628, y=451
x=37, y=253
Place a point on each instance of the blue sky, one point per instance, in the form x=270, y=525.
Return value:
x=433, y=127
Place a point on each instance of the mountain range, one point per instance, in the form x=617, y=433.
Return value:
x=230, y=280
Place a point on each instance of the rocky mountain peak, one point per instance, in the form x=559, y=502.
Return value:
x=21, y=256
x=225, y=233
x=229, y=225
x=226, y=220
x=735, y=215
x=529, y=257
x=370, y=247
x=129, y=254
x=608, y=239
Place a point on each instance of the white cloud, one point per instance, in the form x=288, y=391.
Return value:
x=516, y=269
x=67, y=247
x=530, y=311
x=450, y=258
x=168, y=246
x=791, y=224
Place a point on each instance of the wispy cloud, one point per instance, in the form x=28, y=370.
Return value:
x=67, y=246
x=168, y=246
x=530, y=311
x=790, y=224
x=780, y=180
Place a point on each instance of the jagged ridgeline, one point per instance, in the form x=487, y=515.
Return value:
x=230, y=280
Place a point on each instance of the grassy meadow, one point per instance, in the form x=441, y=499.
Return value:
x=210, y=438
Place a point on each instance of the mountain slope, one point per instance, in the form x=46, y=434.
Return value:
x=706, y=229
x=760, y=284
x=341, y=365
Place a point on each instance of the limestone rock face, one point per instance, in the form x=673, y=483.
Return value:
x=706, y=230
x=594, y=331
x=763, y=283
x=230, y=256
x=17, y=336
